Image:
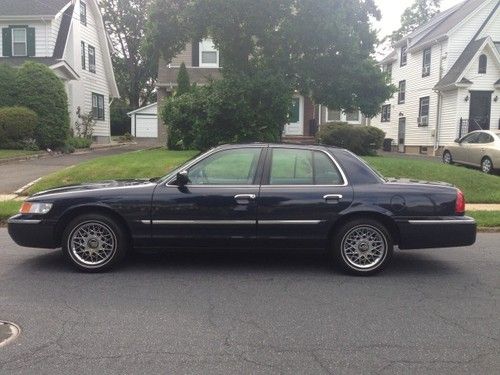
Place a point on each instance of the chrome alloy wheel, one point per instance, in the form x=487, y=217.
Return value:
x=92, y=243
x=447, y=158
x=364, y=247
x=486, y=165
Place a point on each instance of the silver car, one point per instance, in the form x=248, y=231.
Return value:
x=479, y=148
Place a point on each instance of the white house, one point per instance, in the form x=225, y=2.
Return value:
x=69, y=37
x=448, y=77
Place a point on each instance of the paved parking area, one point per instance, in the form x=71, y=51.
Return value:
x=431, y=312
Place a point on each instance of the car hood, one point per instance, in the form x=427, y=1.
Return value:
x=95, y=186
x=391, y=180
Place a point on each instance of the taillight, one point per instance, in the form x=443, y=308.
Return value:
x=460, y=203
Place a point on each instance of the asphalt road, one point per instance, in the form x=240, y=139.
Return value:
x=431, y=312
x=14, y=175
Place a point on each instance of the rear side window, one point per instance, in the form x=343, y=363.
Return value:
x=302, y=167
x=485, y=138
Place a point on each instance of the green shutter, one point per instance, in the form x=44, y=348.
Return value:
x=6, y=42
x=30, y=32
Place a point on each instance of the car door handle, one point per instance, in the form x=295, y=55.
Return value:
x=244, y=198
x=333, y=198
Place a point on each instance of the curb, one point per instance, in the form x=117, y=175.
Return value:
x=26, y=157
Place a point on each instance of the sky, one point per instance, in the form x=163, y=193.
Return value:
x=393, y=9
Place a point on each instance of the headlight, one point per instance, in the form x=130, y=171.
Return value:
x=35, y=208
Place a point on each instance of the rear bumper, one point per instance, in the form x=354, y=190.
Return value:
x=31, y=232
x=442, y=232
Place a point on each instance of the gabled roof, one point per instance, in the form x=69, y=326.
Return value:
x=31, y=7
x=138, y=110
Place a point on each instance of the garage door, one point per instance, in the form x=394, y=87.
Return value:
x=146, y=126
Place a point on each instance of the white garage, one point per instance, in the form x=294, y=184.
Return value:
x=144, y=122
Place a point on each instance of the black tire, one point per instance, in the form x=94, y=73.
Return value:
x=447, y=159
x=91, y=236
x=487, y=165
x=345, y=248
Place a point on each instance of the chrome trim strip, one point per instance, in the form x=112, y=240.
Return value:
x=23, y=221
x=430, y=222
x=286, y=222
x=144, y=221
x=203, y=222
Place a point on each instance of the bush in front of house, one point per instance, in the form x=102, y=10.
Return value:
x=362, y=140
x=42, y=91
x=78, y=142
x=8, y=86
x=238, y=108
x=17, y=127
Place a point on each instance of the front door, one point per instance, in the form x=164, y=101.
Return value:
x=479, y=111
x=401, y=134
x=302, y=192
x=296, y=117
x=217, y=206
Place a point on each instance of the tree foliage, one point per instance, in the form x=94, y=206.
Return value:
x=135, y=65
x=17, y=126
x=8, y=87
x=419, y=13
x=183, y=84
x=43, y=92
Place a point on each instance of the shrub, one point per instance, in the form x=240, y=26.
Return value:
x=79, y=142
x=17, y=127
x=43, y=92
x=362, y=140
x=183, y=84
x=237, y=108
x=8, y=86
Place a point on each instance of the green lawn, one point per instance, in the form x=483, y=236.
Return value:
x=6, y=154
x=8, y=208
x=477, y=186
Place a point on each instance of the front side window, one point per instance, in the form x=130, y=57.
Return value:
x=98, y=106
x=402, y=92
x=471, y=138
x=426, y=63
x=302, y=167
x=19, y=42
x=209, y=56
x=229, y=167
x=404, y=55
x=83, y=13
x=483, y=64
x=91, y=59
x=83, y=54
x=423, y=112
x=386, y=113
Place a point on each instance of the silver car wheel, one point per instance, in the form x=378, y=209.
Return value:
x=364, y=247
x=447, y=158
x=92, y=244
x=486, y=165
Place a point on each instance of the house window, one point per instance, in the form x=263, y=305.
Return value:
x=353, y=117
x=388, y=71
x=83, y=13
x=483, y=63
x=83, y=54
x=426, y=63
x=402, y=92
x=349, y=117
x=404, y=55
x=98, y=106
x=386, y=113
x=333, y=115
x=209, y=56
x=91, y=59
x=19, y=42
x=423, y=112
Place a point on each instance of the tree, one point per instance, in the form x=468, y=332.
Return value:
x=135, y=66
x=183, y=84
x=43, y=92
x=419, y=13
x=8, y=87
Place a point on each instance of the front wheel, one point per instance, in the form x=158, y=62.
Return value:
x=447, y=158
x=94, y=242
x=362, y=247
x=486, y=165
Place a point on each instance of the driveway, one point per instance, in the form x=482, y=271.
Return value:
x=17, y=174
x=431, y=312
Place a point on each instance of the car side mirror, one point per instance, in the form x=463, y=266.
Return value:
x=182, y=178
x=457, y=140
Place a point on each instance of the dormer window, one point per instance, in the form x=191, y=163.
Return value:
x=19, y=42
x=83, y=13
x=404, y=55
x=483, y=63
x=209, y=56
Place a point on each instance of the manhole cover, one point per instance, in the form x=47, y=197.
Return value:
x=8, y=332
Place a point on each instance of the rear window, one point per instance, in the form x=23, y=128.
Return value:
x=357, y=170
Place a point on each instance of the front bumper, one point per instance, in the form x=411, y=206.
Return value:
x=31, y=232
x=441, y=232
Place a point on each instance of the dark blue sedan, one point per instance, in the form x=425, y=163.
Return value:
x=248, y=196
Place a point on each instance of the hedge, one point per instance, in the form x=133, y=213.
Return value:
x=8, y=86
x=17, y=127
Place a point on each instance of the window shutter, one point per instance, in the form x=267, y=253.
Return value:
x=195, y=53
x=30, y=37
x=7, y=42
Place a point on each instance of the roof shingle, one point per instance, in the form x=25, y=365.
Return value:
x=31, y=7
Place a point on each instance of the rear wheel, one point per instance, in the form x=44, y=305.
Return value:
x=447, y=159
x=94, y=242
x=486, y=165
x=362, y=247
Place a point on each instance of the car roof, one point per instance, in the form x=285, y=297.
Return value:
x=320, y=147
